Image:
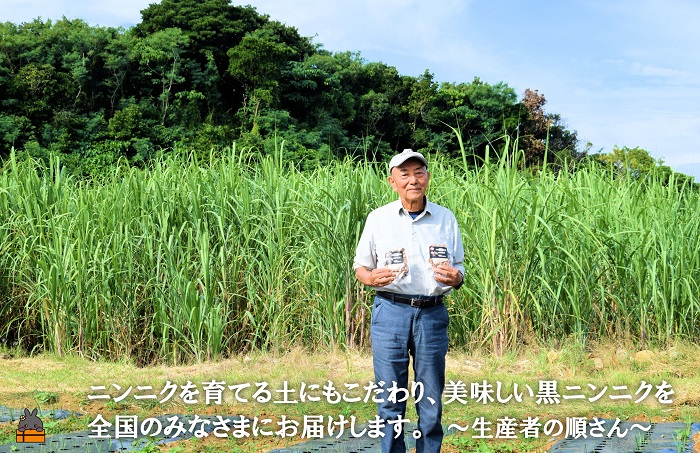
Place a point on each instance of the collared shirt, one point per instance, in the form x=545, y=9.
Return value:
x=391, y=236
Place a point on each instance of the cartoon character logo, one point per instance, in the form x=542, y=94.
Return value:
x=31, y=428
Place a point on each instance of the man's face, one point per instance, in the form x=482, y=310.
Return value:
x=410, y=181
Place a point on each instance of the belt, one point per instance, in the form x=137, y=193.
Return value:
x=413, y=301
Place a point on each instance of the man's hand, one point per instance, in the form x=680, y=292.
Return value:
x=374, y=277
x=448, y=275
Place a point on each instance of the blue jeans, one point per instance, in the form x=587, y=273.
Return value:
x=398, y=330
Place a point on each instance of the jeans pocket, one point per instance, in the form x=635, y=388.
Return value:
x=375, y=310
x=445, y=315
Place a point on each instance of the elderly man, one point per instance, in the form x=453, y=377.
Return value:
x=411, y=253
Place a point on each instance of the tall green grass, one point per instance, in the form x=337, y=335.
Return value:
x=188, y=261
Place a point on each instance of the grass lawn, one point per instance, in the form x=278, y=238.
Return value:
x=602, y=381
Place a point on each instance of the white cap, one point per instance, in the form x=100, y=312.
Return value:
x=404, y=156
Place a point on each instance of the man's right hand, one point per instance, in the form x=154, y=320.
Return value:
x=375, y=277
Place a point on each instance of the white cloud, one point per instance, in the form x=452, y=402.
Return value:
x=394, y=24
x=637, y=68
x=656, y=71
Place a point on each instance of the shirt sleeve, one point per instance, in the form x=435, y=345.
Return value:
x=459, y=248
x=365, y=253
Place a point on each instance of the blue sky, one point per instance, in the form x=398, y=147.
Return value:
x=619, y=72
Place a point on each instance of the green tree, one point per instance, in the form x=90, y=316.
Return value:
x=54, y=78
x=484, y=114
x=638, y=163
x=383, y=119
x=257, y=62
x=421, y=104
x=14, y=132
x=160, y=56
x=39, y=90
x=625, y=161
x=213, y=28
x=212, y=25
x=118, y=64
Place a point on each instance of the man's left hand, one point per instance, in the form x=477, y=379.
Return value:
x=448, y=275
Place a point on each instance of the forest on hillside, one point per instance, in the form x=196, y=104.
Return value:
x=200, y=75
